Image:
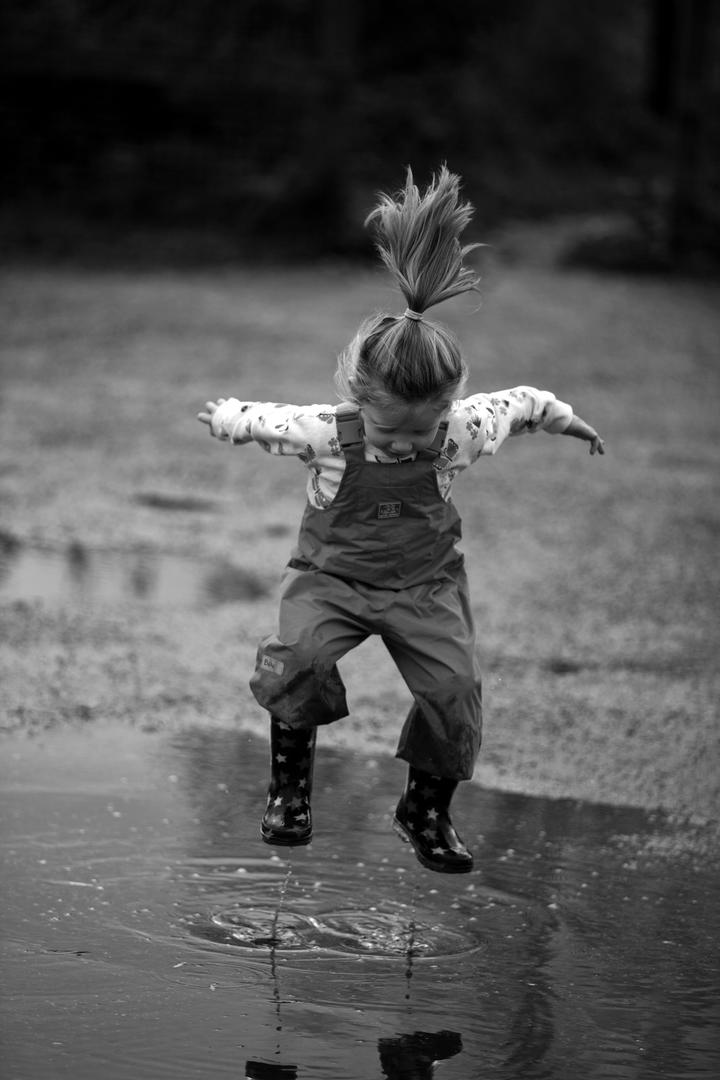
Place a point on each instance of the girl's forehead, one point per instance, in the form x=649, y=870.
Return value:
x=399, y=414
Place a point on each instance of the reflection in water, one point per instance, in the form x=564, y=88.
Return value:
x=85, y=571
x=402, y=1057
x=267, y=1070
x=274, y=942
x=143, y=577
x=9, y=547
x=413, y=1057
x=411, y=935
x=532, y=1030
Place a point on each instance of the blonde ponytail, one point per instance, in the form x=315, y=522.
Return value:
x=418, y=238
x=407, y=356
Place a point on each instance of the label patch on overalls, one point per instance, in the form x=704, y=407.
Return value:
x=269, y=663
x=389, y=510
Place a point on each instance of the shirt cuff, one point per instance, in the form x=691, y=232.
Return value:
x=225, y=418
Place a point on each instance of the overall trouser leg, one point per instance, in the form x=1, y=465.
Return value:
x=430, y=635
x=297, y=680
x=441, y=736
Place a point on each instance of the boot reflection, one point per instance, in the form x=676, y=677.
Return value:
x=269, y=1070
x=412, y=1057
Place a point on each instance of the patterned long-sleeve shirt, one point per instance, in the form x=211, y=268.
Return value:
x=477, y=426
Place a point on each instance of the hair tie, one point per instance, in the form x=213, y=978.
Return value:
x=416, y=316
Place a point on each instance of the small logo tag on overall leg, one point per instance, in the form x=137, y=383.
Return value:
x=269, y=663
x=389, y=510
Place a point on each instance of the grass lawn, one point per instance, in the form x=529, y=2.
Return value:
x=595, y=580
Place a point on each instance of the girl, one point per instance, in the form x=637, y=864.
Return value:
x=376, y=552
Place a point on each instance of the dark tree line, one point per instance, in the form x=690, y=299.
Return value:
x=684, y=91
x=278, y=119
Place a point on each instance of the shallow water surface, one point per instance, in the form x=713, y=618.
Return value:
x=78, y=574
x=149, y=933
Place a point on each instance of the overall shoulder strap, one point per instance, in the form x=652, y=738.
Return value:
x=432, y=451
x=350, y=430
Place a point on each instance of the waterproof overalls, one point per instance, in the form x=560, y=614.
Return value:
x=381, y=559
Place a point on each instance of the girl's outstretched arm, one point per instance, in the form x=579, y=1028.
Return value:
x=581, y=430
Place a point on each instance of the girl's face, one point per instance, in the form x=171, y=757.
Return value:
x=401, y=429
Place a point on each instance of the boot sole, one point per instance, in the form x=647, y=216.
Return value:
x=442, y=868
x=284, y=841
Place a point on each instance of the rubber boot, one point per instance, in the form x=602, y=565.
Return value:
x=422, y=818
x=288, y=818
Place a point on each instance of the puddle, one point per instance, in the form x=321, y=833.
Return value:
x=148, y=932
x=81, y=575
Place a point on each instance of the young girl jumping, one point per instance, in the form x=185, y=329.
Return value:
x=376, y=551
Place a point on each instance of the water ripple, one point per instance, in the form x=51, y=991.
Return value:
x=346, y=911
x=385, y=930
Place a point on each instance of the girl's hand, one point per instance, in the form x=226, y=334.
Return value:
x=206, y=416
x=580, y=429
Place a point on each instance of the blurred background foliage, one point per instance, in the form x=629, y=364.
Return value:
x=227, y=130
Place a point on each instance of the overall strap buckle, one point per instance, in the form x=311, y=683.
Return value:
x=431, y=452
x=350, y=430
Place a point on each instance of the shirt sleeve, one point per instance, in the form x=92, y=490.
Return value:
x=278, y=428
x=307, y=432
x=487, y=420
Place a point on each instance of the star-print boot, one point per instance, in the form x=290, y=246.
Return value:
x=422, y=818
x=288, y=819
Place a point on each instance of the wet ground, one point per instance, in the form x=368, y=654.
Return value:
x=147, y=932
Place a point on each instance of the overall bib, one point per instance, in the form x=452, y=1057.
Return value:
x=380, y=560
